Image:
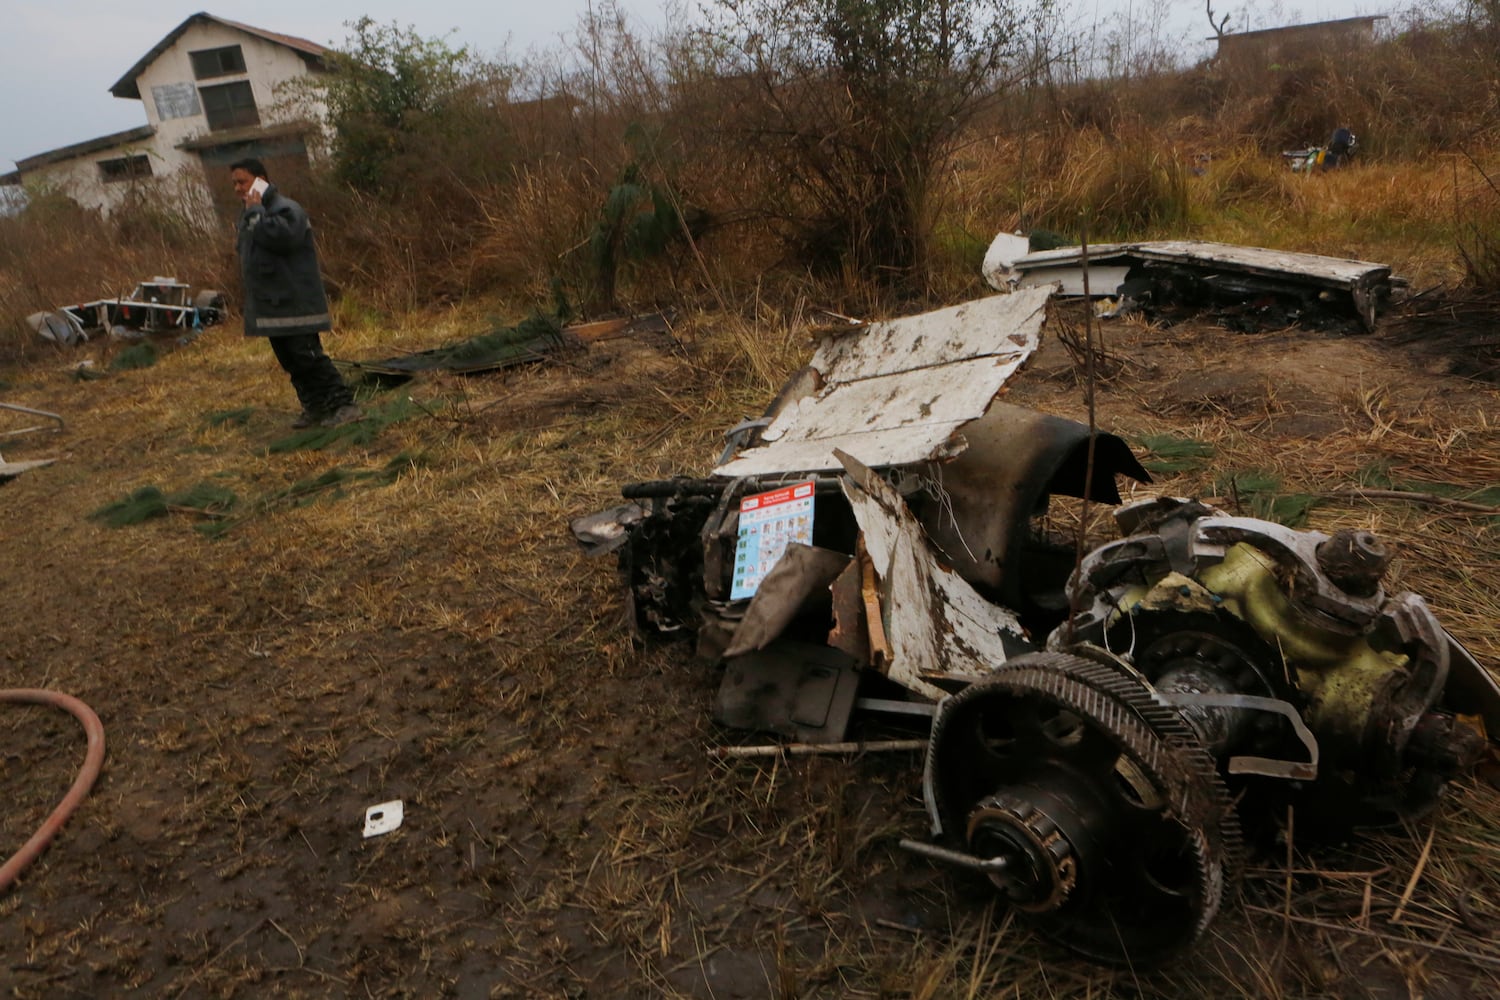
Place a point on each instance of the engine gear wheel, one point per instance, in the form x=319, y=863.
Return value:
x=1118, y=832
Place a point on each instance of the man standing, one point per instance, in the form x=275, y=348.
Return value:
x=284, y=297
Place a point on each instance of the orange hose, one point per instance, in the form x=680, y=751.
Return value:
x=92, y=762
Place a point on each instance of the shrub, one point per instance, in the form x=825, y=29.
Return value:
x=858, y=106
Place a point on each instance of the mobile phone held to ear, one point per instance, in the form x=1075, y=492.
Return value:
x=259, y=186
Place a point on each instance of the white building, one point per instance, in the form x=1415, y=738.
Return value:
x=214, y=91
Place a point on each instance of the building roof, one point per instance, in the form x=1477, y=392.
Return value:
x=1235, y=36
x=126, y=86
x=114, y=139
x=249, y=133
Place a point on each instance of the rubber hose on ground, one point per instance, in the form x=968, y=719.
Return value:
x=92, y=762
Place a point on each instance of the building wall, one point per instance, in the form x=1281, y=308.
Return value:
x=80, y=177
x=268, y=67
x=1293, y=43
x=167, y=84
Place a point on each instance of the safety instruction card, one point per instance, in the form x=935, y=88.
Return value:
x=768, y=523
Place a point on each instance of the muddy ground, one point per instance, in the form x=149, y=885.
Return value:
x=439, y=639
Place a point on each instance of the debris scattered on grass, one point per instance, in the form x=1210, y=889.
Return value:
x=530, y=340
x=519, y=665
x=158, y=305
x=222, y=507
x=384, y=817
x=134, y=356
x=1247, y=288
x=1174, y=454
x=230, y=418
x=1259, y=494
x=204, y=499
x=333, y=482
x=1218, y=613
x=58, y=423
x=358, y=432
x=10, y=470
x=1377, y=481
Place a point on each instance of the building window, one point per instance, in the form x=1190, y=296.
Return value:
x=209, y=63
x=125, y=168
x=229, y=105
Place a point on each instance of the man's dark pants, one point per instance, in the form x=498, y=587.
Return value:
x=318, y=385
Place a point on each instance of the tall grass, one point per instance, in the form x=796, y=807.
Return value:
x=57, y=253
x=1477, y=221
x=509, y=207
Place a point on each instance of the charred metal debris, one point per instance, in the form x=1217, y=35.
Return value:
x=10, y=470
x=1101, y=733
x=158, y=306
x=1247, y=289
x=535, y=339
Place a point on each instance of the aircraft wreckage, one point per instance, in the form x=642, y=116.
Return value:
x=1104, y=731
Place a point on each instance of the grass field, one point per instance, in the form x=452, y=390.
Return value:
x=403, y=615
x=281, y=629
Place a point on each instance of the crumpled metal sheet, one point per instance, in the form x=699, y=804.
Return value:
x=935, y=622
x=1015, y=458
x=1000, y=258
x=801, y=690
x=606, y=530
x=896, y=393
x=1333, y=272
x=800, y=577
x=10, y=470
x=1367, y=284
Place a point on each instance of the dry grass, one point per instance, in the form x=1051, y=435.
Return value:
x=440, y=640
x=1414, y=215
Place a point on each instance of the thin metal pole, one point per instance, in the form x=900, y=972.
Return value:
x=34, y=413
x=1089, y=382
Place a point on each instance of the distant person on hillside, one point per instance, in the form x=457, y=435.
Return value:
x=284, y=297
x=1340, y=150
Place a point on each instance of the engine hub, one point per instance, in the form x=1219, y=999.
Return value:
x=1043, y=869
x=1115, y=830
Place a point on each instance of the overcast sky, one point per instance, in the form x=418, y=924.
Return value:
x=60, y=57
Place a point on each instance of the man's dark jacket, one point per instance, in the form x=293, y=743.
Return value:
x=283, y=287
